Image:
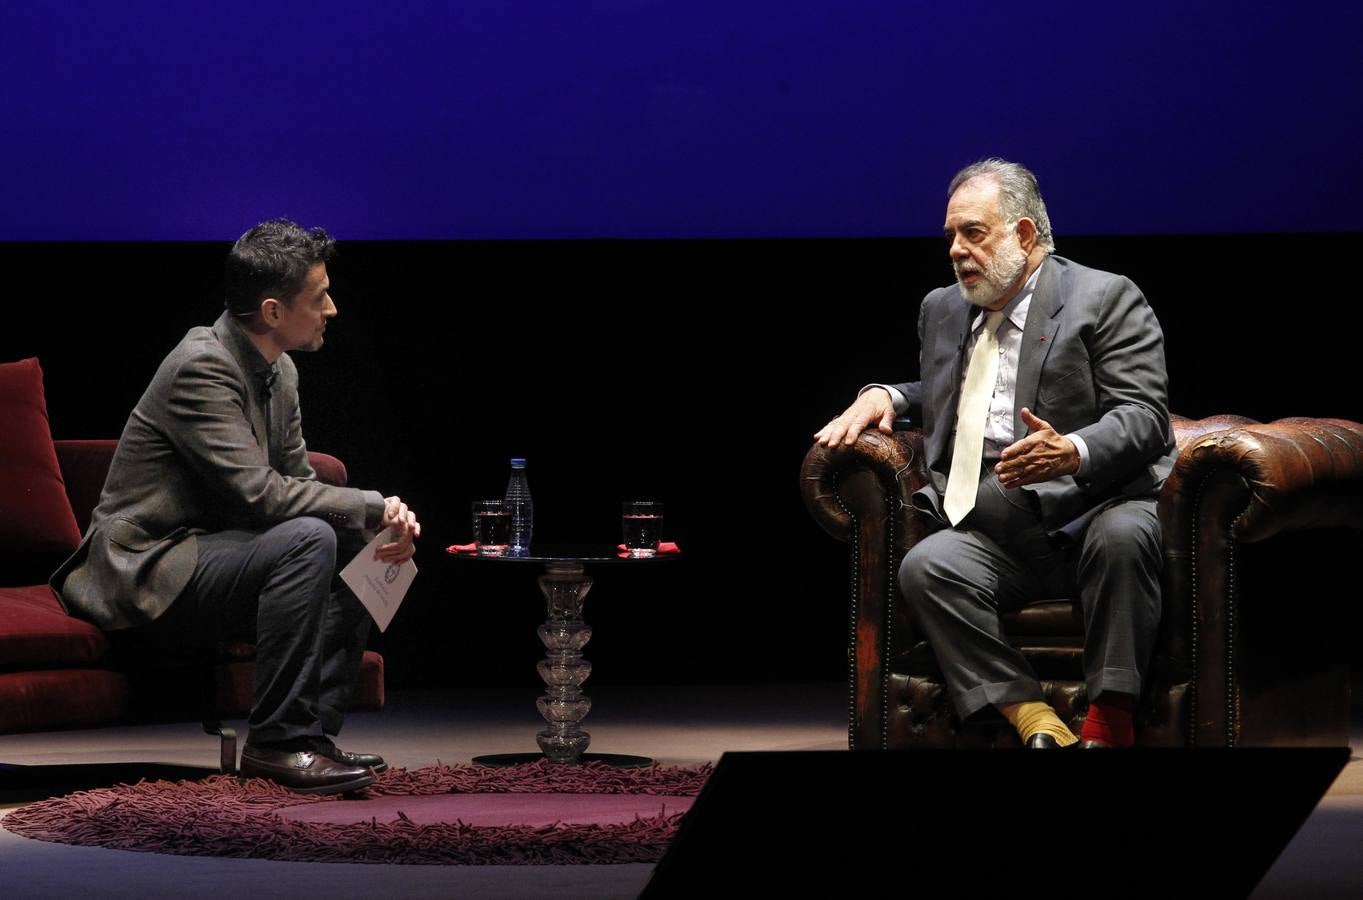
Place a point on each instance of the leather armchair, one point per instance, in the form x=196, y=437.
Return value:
x=1261, y=536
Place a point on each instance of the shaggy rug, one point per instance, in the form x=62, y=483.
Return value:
x=536, y=814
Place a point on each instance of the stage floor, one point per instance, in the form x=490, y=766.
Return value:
x=674, y=725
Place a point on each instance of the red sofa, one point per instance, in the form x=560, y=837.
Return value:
x=57, y=671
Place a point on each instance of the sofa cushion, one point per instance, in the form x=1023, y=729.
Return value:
x=85, y=468
x=61, y=698
x=37, y=527
x=161, y=694
x=37, y=634
x=236, y=685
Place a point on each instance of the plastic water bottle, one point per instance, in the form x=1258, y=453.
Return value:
x=522, y=510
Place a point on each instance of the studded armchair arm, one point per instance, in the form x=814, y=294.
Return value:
x=1259, y=520
x=860, y=495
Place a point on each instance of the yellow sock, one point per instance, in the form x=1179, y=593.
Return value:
x=1036, y=717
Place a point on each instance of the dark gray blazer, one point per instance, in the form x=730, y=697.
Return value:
x=195, y=457
x=1091, y=363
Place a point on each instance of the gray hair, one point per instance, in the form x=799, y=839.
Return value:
x=1019, y=196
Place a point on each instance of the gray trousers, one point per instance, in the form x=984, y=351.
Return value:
x=277, y=587
x=999, y=558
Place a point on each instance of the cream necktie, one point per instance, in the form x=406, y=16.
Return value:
x=972, y=412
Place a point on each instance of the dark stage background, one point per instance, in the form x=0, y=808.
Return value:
x=691, y=371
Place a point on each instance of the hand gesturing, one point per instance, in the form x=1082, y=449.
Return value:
x=1040, y=456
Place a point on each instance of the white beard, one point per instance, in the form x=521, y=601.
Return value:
x=997, y=278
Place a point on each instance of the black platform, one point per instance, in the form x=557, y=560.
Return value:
x=1177, y=822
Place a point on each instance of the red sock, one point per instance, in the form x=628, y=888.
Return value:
x=1109, y=720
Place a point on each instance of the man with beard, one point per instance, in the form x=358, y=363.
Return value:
x=1043, y=403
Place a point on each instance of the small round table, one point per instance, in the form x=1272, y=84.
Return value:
x=563, y=705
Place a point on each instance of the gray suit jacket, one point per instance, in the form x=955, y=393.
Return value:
x=1091, y=363
x=196, y=457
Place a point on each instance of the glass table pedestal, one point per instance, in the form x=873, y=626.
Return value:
x=564, y=705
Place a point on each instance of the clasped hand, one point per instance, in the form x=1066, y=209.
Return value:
x=396, y=515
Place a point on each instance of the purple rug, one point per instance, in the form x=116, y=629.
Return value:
x=537, y=814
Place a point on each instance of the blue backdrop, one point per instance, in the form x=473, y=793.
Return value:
x=658, y=118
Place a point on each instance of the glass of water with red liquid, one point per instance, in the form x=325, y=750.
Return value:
x=643, y=526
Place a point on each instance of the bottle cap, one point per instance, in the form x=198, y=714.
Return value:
x=517, y=462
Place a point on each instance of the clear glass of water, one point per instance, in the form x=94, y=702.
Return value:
x=642, y=521
x=491, y=527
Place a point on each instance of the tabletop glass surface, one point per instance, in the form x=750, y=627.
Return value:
x=586, y=553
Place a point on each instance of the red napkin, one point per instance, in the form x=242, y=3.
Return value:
x=462, y=548
x=665, y=548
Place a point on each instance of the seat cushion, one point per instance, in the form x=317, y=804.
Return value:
x=37, y=527
x=61, y=698
x=36, y=634
x=169, y=694
x=236, y=684
x=1047, y=618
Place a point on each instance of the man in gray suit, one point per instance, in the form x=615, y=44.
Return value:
x=1043, y=402
x=212, y=522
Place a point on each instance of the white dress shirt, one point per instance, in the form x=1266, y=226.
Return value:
x=998, y=429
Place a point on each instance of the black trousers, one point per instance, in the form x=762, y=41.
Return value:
x=277, y=587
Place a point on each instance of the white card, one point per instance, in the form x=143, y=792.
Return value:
x=379, y=585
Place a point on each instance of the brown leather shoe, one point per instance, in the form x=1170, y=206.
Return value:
x=303, y=771
x=359, y=760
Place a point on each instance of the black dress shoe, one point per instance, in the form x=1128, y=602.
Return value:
x=361, y=760
x=1043, y=741
x=303, y=770
x=1096, y=745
